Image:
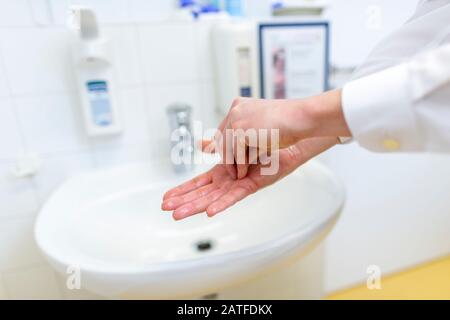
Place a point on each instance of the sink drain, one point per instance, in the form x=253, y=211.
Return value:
x=204, y=245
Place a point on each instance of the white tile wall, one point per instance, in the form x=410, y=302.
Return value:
x=15, y=13
x=204, y=50
x=108, y=11
x=4, y=90
x=41, y=12
x=169, y=53
x=117, y=11
x=151, y=10
x=17, y=196
x=125, y=54
x=52, y=123
x=17, y=246
x=59, y=11
x=33, y=283
x=10, y=136
x=37, y=60
x=209, y=114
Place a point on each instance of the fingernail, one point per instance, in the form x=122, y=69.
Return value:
x=211, y=212
x=168, y=205
x=182, y=212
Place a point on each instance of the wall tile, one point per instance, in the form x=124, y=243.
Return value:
x=52, y=124
x=15, y=13
x=168, y=53
x=151, y=10
x=345, y=32
x=56, y=169
x=209, y=113
x=37, y=60
x=17, y=246
x=204, y=48
x=108, y=11
x=4, y=87
x=125, y=54
x=17, y=196
x=40, y=12
x=10, y=140
x=33, y=283
x=59, y=11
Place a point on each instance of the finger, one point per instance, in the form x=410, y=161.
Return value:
x=207, y=146
x=222, y=124
x=253, y=155
x=198, y=205
x=190, y=185
x=226, y=147
x=177, y=201
x=231, y=169
x=242, y=170
x=240, y=156
x=252, y=158
x=261, y=156
x=227, y=200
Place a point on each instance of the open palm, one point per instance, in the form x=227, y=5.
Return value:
x=216, y=190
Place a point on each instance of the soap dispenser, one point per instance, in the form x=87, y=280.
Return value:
x=94, y=71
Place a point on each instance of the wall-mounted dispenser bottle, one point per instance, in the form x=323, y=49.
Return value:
x=94, y=76
x=236, y=53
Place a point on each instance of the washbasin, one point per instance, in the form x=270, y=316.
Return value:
x=108, y=224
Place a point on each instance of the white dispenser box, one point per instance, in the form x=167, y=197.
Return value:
x=95, y=77
x=236, y=61
x=272, y=59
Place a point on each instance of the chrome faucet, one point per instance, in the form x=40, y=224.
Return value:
x=182, y=140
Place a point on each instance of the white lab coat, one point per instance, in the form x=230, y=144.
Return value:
x=406, y=105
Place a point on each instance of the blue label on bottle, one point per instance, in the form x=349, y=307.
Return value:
x=100, y=103
x=246, y=92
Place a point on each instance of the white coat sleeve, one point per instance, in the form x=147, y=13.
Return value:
x=402, y=108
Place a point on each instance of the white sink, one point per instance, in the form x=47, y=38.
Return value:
x=109, y=224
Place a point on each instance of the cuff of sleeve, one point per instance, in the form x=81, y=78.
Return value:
x=378, y=111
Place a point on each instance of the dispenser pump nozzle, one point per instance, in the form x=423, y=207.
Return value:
x=86, y=22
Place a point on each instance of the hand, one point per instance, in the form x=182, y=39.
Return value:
x=317, y=116
x=215, y=190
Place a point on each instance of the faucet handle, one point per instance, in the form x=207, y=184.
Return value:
x=183, y=142
x=181, y=112
x=179, y=107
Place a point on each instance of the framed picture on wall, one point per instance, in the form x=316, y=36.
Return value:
x=294, y=59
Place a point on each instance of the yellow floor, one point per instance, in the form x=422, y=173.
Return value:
x=428, y=281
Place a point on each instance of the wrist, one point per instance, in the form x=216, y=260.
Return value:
x=326, y=115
